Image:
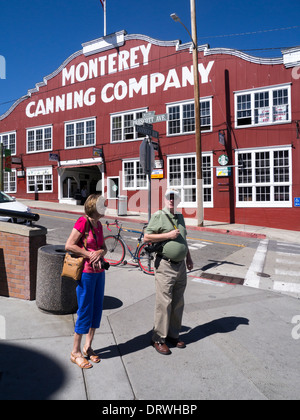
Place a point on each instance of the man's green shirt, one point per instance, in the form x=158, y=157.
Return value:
x=175, y=249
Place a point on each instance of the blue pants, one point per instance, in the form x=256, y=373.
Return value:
x=90, y=295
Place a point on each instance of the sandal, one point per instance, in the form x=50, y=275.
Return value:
x=83, y=365
x=91, y=355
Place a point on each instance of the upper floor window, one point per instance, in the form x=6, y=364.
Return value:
x=123, y=128
x=182, y=117
x=39, y=139
x=80, y=133
x=134, y=177
x=9, y=141
x=270, y=105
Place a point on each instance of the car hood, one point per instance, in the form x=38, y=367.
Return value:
x=15, y=206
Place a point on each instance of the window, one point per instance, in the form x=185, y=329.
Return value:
x=264, y=178
x=39, y=139
x=80, y=133
x=182, y=117
x=182, y=176
x=113, y=187
x=122, y=127
x=39, y=179
x=10, y=181
x=263, y=106
x=134, y=177
x=9, y=141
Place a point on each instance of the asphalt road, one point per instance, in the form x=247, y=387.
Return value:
x=207, y=248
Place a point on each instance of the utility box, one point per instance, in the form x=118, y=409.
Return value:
x=122, y=205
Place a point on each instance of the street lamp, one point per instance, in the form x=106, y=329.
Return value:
x=197, y=109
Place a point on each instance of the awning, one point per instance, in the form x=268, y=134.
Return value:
x=80, y=165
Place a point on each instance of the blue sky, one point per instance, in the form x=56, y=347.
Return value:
x=38, y=35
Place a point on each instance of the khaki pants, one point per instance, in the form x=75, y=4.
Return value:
x=170, y=284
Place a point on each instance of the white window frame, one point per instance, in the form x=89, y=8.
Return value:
x=40, y=175
x=43, y=139
x=10, y=181
x=11, y=141
x=136, y=167
x=84, y=134
x=181, y=105
x=182, y=187
x=124, y=125
x=250, y=176
x=267, y=112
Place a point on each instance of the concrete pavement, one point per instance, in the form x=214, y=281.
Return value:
x=242, y=343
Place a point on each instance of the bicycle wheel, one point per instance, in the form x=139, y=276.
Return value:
x=115, y=250
x=146, y=259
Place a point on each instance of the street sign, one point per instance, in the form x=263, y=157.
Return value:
x=147, y=157
x=147, y=131
x=150, y=118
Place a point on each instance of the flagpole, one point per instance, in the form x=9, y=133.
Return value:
x=104, y=9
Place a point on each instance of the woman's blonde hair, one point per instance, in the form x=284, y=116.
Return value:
x=90, y=208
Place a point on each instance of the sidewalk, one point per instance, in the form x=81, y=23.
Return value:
x=209, y=226
x=242, y=342
x=239, y=340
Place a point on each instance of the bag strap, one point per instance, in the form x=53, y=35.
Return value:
x=171, y=221
x=85, y=234
x=93, y=232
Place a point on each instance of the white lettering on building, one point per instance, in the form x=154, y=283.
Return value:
x=71, y=100
x=117, y=89
x=109, y=64
x=151, y=83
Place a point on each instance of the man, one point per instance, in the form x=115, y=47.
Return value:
x=168, y=227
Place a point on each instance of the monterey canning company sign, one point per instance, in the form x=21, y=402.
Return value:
x=118, y=88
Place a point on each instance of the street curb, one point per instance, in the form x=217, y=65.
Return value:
x=198, y=228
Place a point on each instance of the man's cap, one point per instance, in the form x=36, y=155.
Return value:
x=172, y=191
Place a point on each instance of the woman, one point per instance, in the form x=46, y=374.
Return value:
x=86, y=239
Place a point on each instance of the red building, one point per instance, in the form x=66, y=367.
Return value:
x=77, y=128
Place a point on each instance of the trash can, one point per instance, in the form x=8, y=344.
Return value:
x=54, y=294
x=122, y=205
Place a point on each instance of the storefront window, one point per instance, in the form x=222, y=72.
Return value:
x=182, y=176
x=264, y=178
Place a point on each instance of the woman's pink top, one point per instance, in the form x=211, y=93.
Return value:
x=82, y=225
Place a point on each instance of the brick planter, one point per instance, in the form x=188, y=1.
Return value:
x=19, y=246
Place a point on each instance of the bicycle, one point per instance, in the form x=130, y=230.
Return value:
x=116, y=249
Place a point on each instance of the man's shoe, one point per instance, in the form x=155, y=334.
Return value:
x=176, y=342
x=161, y=348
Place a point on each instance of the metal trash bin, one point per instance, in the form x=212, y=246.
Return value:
x=122, y=205
x=54, y=294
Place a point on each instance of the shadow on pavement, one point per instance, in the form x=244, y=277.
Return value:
x=27, y=374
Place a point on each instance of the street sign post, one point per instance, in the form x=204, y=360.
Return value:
x=144, y=126
x=147, y=130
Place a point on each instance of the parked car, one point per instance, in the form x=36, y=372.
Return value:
x=8, y=202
